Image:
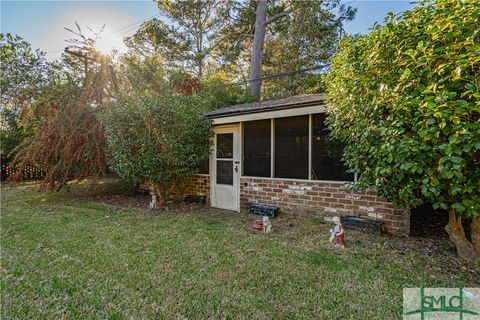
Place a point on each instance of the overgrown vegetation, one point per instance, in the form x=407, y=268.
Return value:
x=66, y=256
x=406, y=101
x=207, y=50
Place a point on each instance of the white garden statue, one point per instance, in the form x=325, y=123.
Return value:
x=153, y=203
x=267, y=225
x=337, y=234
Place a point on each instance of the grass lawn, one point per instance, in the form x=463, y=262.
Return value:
x=66, y=255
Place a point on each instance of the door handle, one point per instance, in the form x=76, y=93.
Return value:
x=236, y=169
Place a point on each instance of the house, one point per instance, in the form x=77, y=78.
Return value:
x=277, y=152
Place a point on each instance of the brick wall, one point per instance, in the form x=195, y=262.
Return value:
x=197, y=185
x=308, y=199
x=317, y=199
x=194, y=185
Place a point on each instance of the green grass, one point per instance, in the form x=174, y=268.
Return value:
x=64, y=255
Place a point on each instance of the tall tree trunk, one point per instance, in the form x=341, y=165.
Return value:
x=257, y=50
x=465, y=248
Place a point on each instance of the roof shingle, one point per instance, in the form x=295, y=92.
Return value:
x=268, y=105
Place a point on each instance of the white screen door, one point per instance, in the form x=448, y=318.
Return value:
x=226, y=167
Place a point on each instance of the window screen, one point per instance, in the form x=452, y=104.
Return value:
x=291, y=147
x=204, y=168
x=225, y=152
x=225, y=145
x=326, y=153
x=225, y=172
x=256, y=148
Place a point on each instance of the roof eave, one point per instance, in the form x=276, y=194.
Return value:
x=273, y=108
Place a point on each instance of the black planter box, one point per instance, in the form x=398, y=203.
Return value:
x=376, y=227
x=263, y=210
x=196, y=199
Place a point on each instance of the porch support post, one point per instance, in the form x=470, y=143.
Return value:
x=310, y=147
x=272, y=148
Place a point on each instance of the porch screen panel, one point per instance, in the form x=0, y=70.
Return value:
x=225, y=145
x=291, y=147
x=257, y=148
x=326, y=153
x=224, y=172
x=225, y=158
x=204, y=168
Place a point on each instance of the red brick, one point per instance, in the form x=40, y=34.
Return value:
x=324, y=194
x=384, y=210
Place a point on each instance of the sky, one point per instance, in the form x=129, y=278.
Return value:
x=42, y=23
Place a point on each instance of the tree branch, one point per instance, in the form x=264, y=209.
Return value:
x=277, y=16
x=78, y=54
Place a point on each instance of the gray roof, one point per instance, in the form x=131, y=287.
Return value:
x=268, y=105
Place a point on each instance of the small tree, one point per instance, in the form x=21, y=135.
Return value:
x=405, y=99
x=158, y=138
x=67, y=141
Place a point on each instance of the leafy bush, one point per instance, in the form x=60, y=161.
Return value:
x=405, y=99
x=157, y=137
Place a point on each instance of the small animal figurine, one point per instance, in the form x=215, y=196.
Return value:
x=153, y=203
x=267, y=225
x=337, y=234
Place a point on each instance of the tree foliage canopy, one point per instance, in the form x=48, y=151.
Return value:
x=406, y=100
x=298, y=35
x=189, y=39
x=88, y=68
x=205, y=38
x=23, y=72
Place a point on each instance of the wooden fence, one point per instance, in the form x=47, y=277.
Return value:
x=29, y=173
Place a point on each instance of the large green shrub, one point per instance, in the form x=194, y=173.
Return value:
x=405, y=98
x=158, y=138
